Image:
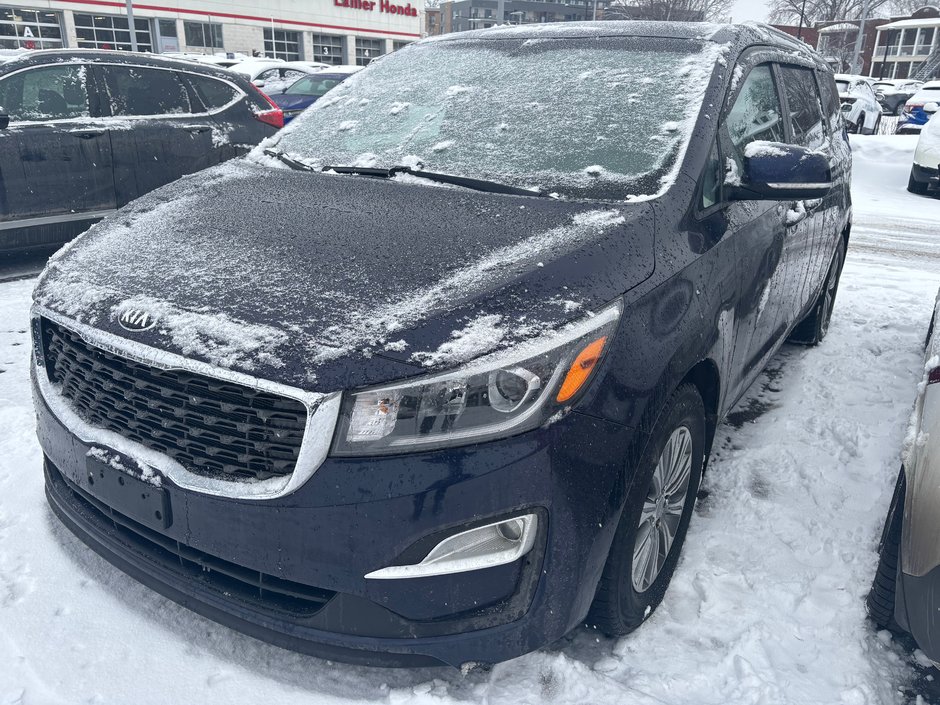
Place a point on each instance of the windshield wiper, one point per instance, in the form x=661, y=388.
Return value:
x=465, y=181
x=294, y=164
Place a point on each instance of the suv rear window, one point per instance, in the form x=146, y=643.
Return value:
x=213, y=94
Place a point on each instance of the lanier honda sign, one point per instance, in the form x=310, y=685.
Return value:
x=384, y=6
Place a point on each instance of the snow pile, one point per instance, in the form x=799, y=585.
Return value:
x=480, y=336
x=375, y=325
x=211, y=335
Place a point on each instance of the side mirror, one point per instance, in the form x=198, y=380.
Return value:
x=258, y=83
x=782, y=172
x=4, y=120
x=931, y=108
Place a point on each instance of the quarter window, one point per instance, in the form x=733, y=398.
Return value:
x=135, y=90
x=281, y=44
x=799, y=85
x=46, y=93
x=213, y=94
x=203, y=34
x=711, y=179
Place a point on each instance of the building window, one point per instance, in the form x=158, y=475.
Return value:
x=29, y=29
x=203, y=34
x=280, y=44
x=368, y=49
x=111, y=32
x=328, y=49
x=399, y=45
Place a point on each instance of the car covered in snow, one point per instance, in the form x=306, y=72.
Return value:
x=307, y=90
x=925, y=171
x=860, y=107
x=83, y=132
x=906, y=588
x=918, y=108
x=892, y=94
x=432, y=376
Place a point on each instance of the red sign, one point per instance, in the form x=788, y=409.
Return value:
x=384, y=6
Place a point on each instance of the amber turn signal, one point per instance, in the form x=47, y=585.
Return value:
x=581, y=369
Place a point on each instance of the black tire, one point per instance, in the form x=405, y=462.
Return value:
x=880, y=602
x=814, y=326
x=856, y=127
x=915, y=186
x=877, y=126
x=618, y=606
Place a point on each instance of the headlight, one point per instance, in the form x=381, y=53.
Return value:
x=498, y=395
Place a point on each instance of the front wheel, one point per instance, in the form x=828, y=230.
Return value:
x=813, y=328
x=915, y=186
x=655, y=518
x=877, y=126
x=856, y=127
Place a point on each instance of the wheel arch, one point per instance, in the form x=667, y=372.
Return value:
x=706, y=378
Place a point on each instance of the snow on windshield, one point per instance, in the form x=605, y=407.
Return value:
x=609, y=117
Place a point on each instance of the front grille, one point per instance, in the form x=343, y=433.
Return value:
x=211, y=427
x=259, y=590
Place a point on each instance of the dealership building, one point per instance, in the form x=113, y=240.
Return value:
x=331, y=31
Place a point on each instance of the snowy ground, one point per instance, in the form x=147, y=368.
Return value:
x=765, y=607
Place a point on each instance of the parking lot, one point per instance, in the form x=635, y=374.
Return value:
x=767, y=604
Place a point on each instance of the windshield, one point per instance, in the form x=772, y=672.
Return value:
x=316, y=85
x=884, y=87
x=598, y=118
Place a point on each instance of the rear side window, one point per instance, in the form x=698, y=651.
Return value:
x=213, y=94
x=806, y=120
x=45, y=93
x=136, y=90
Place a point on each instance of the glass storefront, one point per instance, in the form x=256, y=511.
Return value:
x=22, y=28
x=111, y=32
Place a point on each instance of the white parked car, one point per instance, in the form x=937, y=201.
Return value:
x=274, y=78
x=906, y=589
x=925, y=171
x=860, y=108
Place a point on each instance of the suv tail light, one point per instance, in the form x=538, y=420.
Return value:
x=274, y=116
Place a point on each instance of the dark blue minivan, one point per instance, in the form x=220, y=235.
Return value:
x=432, y=376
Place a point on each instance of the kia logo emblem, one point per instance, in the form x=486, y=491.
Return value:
x=136, y=319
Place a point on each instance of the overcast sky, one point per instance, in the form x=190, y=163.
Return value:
x=749, y=10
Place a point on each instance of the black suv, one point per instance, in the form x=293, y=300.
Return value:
x=432, y=377
x=85, y=132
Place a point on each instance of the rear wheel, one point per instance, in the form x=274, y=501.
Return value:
x=813, y=328
x=877, y=126
x=655, y=518
x=880, y=601
x=915, y=186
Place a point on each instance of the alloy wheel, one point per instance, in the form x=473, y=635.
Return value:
x=662, y=509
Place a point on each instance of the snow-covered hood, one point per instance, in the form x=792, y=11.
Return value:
x=327, y=282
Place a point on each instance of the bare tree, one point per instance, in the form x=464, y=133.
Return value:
x=788, y=11
x=676, y=10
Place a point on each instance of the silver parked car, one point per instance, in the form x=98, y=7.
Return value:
x=906, y=590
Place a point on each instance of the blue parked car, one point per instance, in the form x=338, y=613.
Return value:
x=446, y=389
x=305, y=91
x=914, y=115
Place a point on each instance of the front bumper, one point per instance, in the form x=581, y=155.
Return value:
x=925, y=175
x=290, y=570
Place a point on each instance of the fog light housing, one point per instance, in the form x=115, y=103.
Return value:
x=486, y=546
